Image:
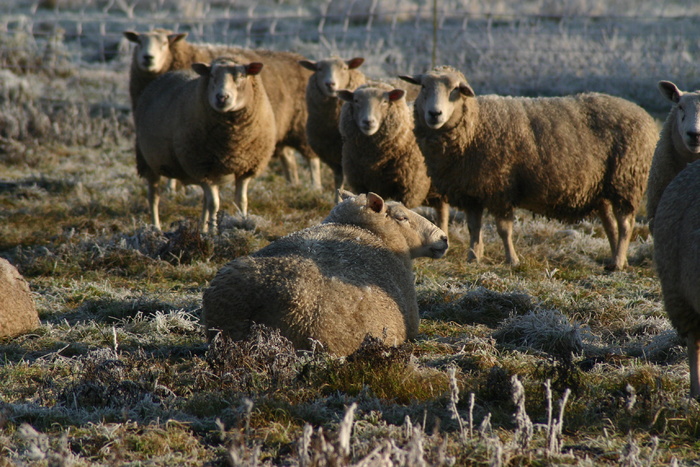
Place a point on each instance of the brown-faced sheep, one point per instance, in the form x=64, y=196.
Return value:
x=563, y=157
x=334, y=282
x=205, y=130
x=679, y=143
x=380, y=152
x=160, y=51
x=677, y=258
x=17, y=311
x=329, y=76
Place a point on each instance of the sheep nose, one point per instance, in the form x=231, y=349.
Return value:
x=693, y=135
x=221, y=99
x=330, y=85
x=435, y=113
x=148, y=59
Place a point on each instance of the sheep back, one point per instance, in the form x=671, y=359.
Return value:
x=388, y=162
x=554, y=156
x=677, y=249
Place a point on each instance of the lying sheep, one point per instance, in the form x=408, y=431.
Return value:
x=677, y=258
x=380, y=152
x=205, y=130
x=679, y=143
x=329, y=76
x=334, y=282
x=284, y=79
x=563, y=157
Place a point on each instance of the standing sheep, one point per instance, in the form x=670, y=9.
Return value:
x=160, y=51
x=380, y=152
x=207, y=130
x=334, y=282
x=679, y=143
x=563, y=157
x=329, y=76
x=677, y=258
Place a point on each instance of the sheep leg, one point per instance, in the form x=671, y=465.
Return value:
x=625, y=226
x=154, y=201
x=504, y=227
x=210, y=207
x=607, y=218
x=289, y=164
x=315, y=169
x=242, y=195
x=476, y=240
x=442, y=209
x=694, y=361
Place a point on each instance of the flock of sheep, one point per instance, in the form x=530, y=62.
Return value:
x=211, y=114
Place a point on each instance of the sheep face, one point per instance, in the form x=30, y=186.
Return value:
x=441, y=93
x=370, y=106
x=331, y=74
x=402, y=229
x=687, y=109
x=227, y=88
x=153, y=48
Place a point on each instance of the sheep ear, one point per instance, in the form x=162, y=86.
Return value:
x=344, y=95
x=202, y=69
x=670, y=91
x=396, y=94
x=345, y=194
x=355, y=62
x=132, y=36
x=309, y=65
x=172, y=38
x=415, y=79
x=375, y=203
x=466, y=90
x=254, y=68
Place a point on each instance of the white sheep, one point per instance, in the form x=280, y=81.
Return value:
x=679, y=143
x=380, y=152
x=677, y=259
x=335, y=282
x=563, y=157
x=329, y=76
x=206, y=130
x=161, y=50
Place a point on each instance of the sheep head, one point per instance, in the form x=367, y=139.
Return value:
x=152, y=52
x=229, y=83
x=402, y=230
x=370, y=106
x=442, y=90
x=687, y=109
x=331, y=74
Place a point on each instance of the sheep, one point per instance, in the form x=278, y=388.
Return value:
x=208, y=130
x=284, y=79
x=679, y=143
x=328, y=76
x=677, y=260
x=563, y=157
x=380, y=152
x=18, y=314
x=334, y=282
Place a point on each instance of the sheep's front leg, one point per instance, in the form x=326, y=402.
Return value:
x=625, y=226
x=154, y=201
x=476, y=241
x=504, y=227
x=315, y=168
x=210, y=207
x=242, y=195
x=289, y=163
x=694, y=360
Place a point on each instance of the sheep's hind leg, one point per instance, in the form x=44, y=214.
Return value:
x=694, y=361
x=315, y=169
x=607, y=218
x=289, y=164
x=242, y=195
x=625, y=227
x=476, y=240
x=504, y=227
x=154, y=201
x=210, y=207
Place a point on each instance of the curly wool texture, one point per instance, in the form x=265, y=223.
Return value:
x=670, y=157
x=677, y=249
x=335, y=282
x=388, y=162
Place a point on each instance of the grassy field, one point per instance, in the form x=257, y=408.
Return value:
x=555, y=362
